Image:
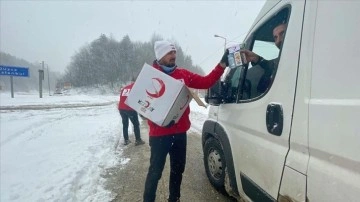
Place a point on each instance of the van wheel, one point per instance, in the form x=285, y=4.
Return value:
x=215, y=165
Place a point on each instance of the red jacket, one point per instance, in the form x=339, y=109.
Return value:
x=191, y=80
x=124, y=92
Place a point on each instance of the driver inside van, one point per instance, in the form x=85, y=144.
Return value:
x=269, y=66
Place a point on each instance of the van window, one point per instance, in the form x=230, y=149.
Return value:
x=266, y=43
x=231, y=89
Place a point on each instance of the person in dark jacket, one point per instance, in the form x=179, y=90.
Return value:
x=172, y=139
x=127, y=113
x=269, y=66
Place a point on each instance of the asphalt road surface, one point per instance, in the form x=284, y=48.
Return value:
x=127, y=181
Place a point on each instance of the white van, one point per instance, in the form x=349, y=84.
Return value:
x=298, y=139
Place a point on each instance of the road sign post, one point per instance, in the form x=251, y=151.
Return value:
x=12, y=86
x=48, y=78
x=41, y=78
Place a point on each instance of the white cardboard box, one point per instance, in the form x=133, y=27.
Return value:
x=159, y=97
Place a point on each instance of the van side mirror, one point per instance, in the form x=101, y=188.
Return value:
x=214, y=94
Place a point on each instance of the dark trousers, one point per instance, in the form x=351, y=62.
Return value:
x=133, y=116
x=175, y=145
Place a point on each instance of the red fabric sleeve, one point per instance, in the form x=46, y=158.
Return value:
x=205, y=82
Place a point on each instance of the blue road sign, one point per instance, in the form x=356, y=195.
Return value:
x=14, y=71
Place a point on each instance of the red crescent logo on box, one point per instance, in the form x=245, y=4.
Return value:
x=147, y=104
x=157, y=89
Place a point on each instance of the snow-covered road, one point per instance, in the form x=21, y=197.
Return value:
x=57, y=154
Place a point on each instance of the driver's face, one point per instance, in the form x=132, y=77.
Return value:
x=278, y=34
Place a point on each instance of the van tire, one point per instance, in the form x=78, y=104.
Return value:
x=215, y=165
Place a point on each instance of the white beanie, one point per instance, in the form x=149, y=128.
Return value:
x=161, y=48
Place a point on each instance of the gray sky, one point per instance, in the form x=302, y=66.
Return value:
x=54, y=31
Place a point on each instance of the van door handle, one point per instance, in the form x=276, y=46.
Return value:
x=274, y=118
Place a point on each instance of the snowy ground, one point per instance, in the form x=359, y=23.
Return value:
x=59, y=154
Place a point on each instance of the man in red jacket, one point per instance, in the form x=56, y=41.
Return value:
x=127, y=113
x=172, y=139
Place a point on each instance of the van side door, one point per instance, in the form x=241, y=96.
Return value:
x=334, y=104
